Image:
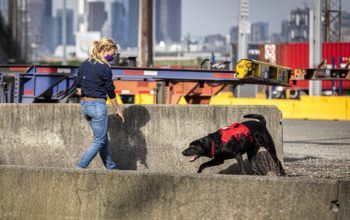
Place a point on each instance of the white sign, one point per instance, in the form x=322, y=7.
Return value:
x=270, y=52
x=244, y=27
x=150, y=73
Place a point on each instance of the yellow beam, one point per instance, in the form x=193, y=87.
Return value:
x=254, y=69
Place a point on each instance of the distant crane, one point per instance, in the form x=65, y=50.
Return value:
x=332, y=20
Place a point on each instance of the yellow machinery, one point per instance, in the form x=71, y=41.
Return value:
x=253, y=69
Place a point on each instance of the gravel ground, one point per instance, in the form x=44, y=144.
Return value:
x=317, y=148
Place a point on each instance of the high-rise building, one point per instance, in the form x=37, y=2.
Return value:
x=281, y=37
x=285, y=30
x=299, y=25
x=52, y=37
x=345, y=26
x=168, y=20
x=125, y=22
x=4, y=10
x=277, y=38
x=133, y=22
x=119, y=23
x=48, y=37
x=215, y=42
x=36, y=23
x=259, y=32
x=69, y=26
x=234, y=35
x=48, y=8
x=96, y=15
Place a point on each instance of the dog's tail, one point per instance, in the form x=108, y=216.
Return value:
x=256, y=116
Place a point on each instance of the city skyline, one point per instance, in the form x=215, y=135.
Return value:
x=89, y=20
x=220, y=19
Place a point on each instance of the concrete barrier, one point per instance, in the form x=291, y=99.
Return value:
x=314, y=108
x=152, y=138
x=324, y=108
x=42, y=136
x=57, y=193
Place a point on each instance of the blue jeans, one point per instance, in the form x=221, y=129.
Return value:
x=95, y=112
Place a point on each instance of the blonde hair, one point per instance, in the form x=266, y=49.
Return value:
x=97, y=49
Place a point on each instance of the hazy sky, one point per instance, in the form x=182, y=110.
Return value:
x=203, y=17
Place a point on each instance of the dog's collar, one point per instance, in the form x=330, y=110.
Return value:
x=212, y=152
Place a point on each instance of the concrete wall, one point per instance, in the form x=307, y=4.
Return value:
x=46, y=136
x=152, y=138
x=58, y=193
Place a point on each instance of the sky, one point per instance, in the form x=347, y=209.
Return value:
x=203, y=17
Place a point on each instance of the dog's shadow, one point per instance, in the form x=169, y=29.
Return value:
x=126, y=140
x=235, y=169
x=264, y=166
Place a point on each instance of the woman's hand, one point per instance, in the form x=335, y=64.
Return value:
x=117, y=109
x=79, y=91
x=119, y=114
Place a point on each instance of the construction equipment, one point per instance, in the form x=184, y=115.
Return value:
x=257, y=70
x=332, y=80
x=43, y=83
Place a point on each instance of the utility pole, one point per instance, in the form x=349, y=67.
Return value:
x=146, y=33
x=64, y=34
x=315, y=86
x=243, y=33
x=243, y=29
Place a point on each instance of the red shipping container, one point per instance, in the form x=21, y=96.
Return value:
x=296, y=55
x=336, y=53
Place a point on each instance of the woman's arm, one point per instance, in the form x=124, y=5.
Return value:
x=117, y=108
x=109, y=86
x=78, y=82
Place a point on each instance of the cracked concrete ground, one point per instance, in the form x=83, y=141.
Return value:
x=317, y=148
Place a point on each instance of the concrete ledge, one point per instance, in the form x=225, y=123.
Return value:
x=151, y=139
x=56, y=193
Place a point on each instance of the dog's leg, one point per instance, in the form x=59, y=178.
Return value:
x=213, y=162
x=240, y=163
x=252, y=160
x=265, y=141
x=251, y=153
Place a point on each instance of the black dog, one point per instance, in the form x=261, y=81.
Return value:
x=247, y=137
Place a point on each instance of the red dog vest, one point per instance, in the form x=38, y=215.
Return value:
x=235, y=130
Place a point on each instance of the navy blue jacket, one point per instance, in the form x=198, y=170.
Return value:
x=95, y=80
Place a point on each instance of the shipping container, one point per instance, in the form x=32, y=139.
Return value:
x=336, y=54
x=296, y=55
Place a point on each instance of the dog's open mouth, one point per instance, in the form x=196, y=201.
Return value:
x=194, y=157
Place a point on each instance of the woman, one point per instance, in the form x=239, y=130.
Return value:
x=94, y=83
